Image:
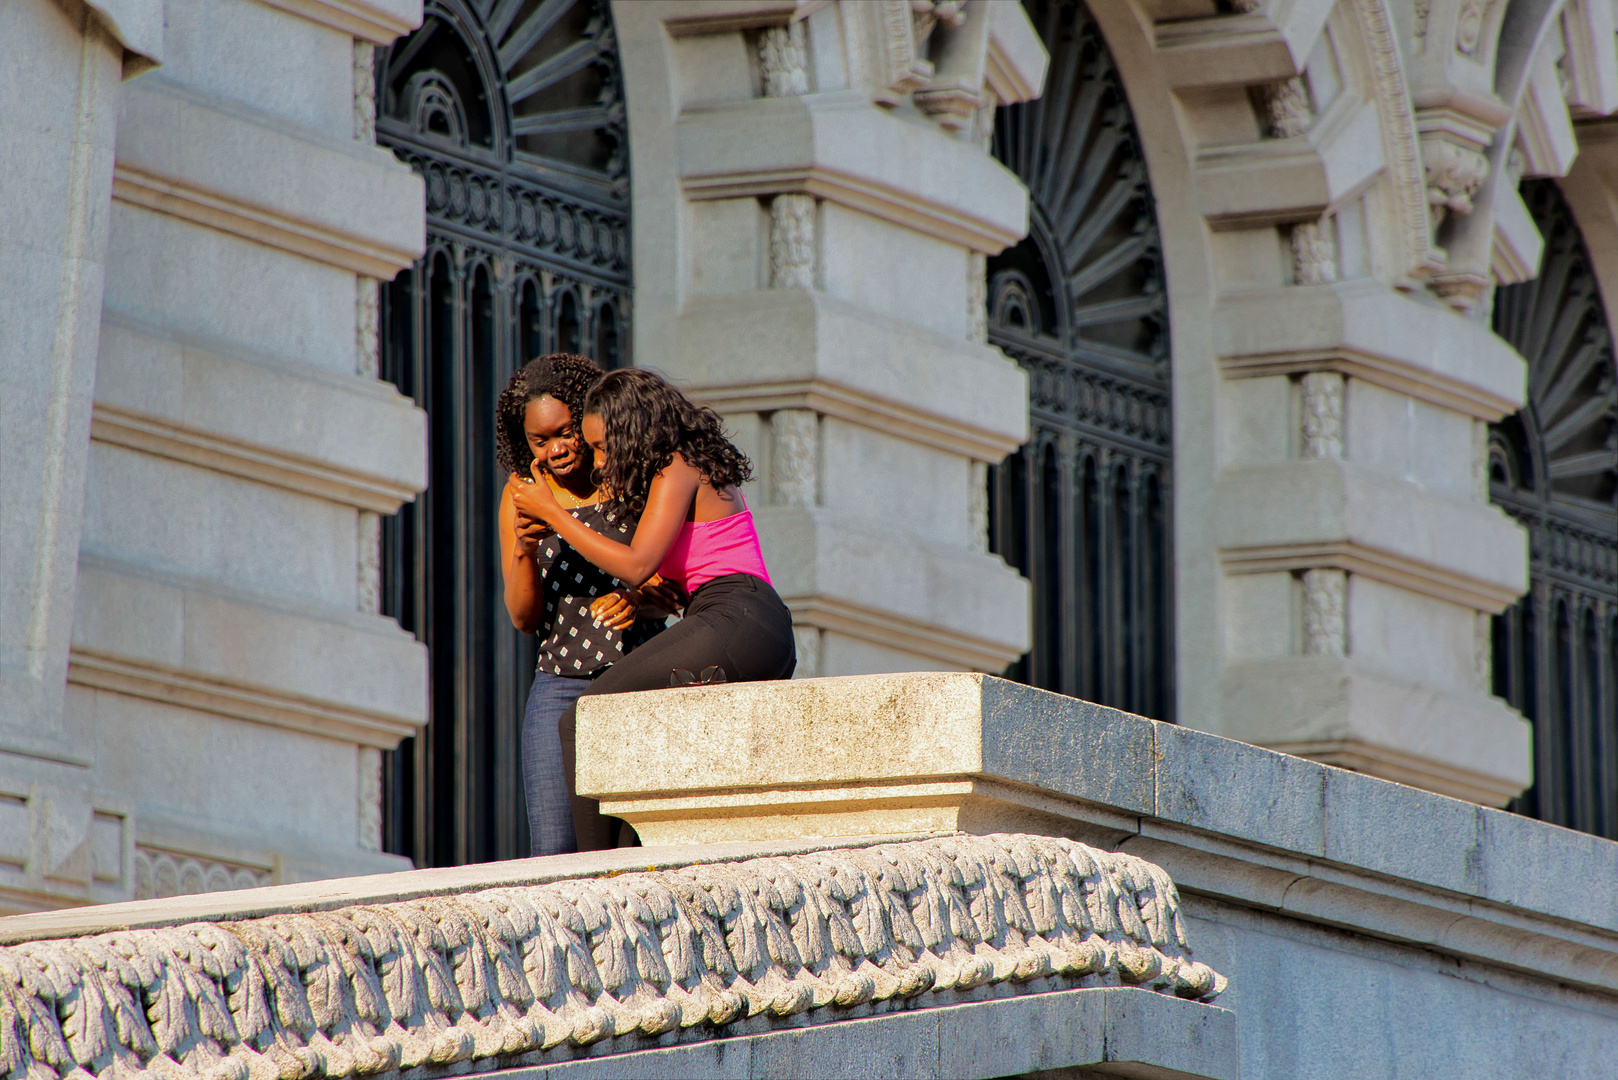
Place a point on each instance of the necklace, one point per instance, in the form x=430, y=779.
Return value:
x=568, y=500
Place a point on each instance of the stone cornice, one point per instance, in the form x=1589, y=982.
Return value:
x=1389, y=567
x=1368, y=331
x=840, y=147
x=257, y=176
x=867, y=410
x=523, y=975
x=889, y=631
x=378, y=23
x=210, y=450
x=259, y=704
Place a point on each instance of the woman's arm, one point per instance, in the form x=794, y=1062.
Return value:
x=522, y=568
x=667, y=504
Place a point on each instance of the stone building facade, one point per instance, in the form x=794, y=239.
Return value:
x=1217, y=359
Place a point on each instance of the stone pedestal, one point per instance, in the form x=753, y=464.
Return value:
x=875, y=755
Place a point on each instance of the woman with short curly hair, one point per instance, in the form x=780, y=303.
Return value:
x=666, y=462
x=586, y=621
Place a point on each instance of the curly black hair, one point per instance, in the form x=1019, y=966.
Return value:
x=646, y=421
x=564, y=376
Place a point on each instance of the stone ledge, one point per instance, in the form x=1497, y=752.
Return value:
x=325, y=671
x=1307, y=513
x=883, y=373
x=839, y=146
x=339, y=202
x=350, y=439
x=1236, y=821
x=506, y=976
x=1119, y=1031
x=1368, y=331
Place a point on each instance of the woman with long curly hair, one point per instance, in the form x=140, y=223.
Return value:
x=586, y=621
x=667, y=463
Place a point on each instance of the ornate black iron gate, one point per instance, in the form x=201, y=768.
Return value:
x=1554, y=467
x=1083, y=510
x=511, y=111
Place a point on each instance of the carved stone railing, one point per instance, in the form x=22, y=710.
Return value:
x=525, y=975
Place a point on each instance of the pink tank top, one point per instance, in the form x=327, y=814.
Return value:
x=705, y=550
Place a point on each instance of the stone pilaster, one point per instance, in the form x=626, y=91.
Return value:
x=835, y=196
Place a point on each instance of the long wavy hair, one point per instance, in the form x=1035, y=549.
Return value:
x=565, y=377
x=646, y=422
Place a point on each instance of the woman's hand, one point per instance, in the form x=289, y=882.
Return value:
x=616, y=610
x=660, y=598
x=534, y=501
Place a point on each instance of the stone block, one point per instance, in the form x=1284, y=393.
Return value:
x=270, y=61
x=865, y=755
x=335, y=200
x=187, y=278
x=1403, y=832
x=1236, y=790
x=875, y=580
x=1465, y=745
x=841, y=147
x=783, y=346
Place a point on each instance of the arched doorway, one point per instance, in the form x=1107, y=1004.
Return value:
x=1083, y=511
x=1554, y=467
x=512, y=112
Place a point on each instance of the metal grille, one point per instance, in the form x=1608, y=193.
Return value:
x=511, y=111
x=1554, y=467
x=1083, y=510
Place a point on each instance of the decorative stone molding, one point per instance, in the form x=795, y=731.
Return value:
x=367, y=330
x=1401, y=143
x=160, y=873
x=213, y=450
x=977, y=298
x=369, y=768
x=364, y=91
x=807, y=640
x=1483, y=650
x=368, y=565
x=503, y=975
x=1454, y=174
x=1287, y=108
x=783, y=60
x=1325, y=621
x=977, y=507
x=1314, y=252
x=792, y=242
x=378, y=23
x=794, y=457
x=1323, y=393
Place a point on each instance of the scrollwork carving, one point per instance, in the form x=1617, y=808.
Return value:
x=794, y=456
x=1323, y=414
x=160, y=873
x=792, y=242
x=783, y=60
x=367, y=328
x=1314, y=253
x=503, y=975
x=1454, y=174
x=369, y=778
x=368, y=563
x=364, y=91
x=1288, y=110
x=1325, y=612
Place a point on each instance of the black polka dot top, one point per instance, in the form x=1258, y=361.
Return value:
x=571, y=643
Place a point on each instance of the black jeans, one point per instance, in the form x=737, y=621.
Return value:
x=737, y=624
